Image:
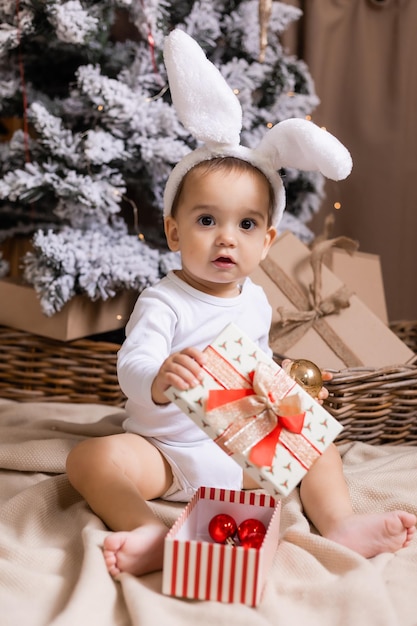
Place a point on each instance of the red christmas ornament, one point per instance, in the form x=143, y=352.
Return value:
x=222, y=528
x=251, y=533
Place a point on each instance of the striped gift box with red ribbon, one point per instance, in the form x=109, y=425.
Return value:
x=196, y=567
x=257, y=413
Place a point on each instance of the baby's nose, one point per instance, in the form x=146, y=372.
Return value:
x=226, y=237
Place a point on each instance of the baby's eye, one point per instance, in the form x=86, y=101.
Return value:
x=206, y=220
x=247, y=224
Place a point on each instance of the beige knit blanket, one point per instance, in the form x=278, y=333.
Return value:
x=52, y=571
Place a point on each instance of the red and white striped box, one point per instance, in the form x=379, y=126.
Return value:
x=196, y=567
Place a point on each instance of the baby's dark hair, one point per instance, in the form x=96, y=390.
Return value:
x=226, y=164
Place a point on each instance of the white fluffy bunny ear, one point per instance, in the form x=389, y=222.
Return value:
x=300, y=144
x=210, y=111
x=204, y=102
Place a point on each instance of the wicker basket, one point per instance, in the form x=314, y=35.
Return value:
x=378, y=406
x=374, y=405
x=34, y=368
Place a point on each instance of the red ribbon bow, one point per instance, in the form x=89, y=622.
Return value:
x=262, y=453
x=253, y=418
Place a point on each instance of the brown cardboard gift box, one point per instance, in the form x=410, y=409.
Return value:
x=80, y=317
x=323, y=322
x=361, y=272
x=20, y=308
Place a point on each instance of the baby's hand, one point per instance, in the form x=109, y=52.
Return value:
x=324, y=393
x=181, y=370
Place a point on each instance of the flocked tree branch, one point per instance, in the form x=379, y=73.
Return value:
x=89, y=178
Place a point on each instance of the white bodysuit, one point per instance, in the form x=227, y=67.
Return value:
x=167, y=318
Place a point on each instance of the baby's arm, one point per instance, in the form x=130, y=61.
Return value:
x=181, y=369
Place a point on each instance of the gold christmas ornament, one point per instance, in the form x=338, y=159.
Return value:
x=307, y=374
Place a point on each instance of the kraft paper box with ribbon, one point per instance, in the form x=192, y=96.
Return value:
x=316, y=316
x=80, y=317
x=257, y=413
x=361, y=272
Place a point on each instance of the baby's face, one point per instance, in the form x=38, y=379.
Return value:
x=221, y=229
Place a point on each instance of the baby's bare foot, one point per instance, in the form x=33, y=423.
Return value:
x=374, y=533
x=138, y=552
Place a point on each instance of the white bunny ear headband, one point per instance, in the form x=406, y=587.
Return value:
x=211, y=112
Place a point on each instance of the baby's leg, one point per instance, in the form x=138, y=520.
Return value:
x=117, y=475
x=327, y=504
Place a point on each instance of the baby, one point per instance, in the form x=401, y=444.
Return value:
x=221, y=223
x=222, y=205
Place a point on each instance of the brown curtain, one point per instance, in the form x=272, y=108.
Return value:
x=362, y=55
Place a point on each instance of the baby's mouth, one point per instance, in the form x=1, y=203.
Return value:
x=224, y=261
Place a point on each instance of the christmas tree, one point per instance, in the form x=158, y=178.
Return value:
x=84, y=172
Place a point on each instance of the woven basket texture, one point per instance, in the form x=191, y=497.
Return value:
x=376, y=406
x=34, y=368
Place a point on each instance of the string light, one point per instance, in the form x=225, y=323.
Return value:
x=264, y=16
x=269, y=125
x=151, y=44
x=337, y=205
x=23, y=85
x=100, y=107
x=308, y=118
x=236, y=91
x=290, y=94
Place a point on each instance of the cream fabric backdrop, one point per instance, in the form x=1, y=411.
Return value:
x=362, y=55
